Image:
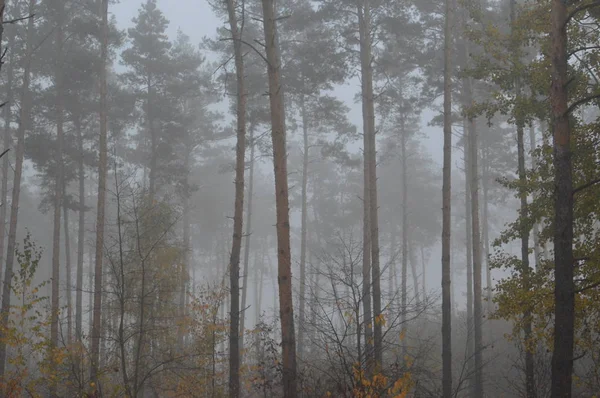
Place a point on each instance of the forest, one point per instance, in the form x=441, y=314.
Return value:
x=319, y=198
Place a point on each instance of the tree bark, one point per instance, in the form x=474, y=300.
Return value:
x=303, y=229
x=100, y=211
x=7, y=131
x=240, y=165
x=564, y=289
x=58, y=189
x=405, y=227
x=477, y=288
x=364, y=17
x=185, y=271
x=24, y=119
x=423, y=275
x=413, y=271
x=524, y=223
x=446, y=210
x=80, y=239
x=469, y=254
x=68, y=276
x=485, y=185
x=247, y=246
x=536, y=227
x=286, y=310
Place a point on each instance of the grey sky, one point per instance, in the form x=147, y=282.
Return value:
x=196, y=19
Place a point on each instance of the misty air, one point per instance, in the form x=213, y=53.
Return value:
x=300, y=198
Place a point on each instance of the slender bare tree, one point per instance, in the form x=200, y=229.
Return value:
x=240, y=165
x=446, y=209
x=278, y=135
x=564, y=287
x=100, y=217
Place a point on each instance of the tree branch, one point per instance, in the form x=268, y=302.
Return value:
x=581, y=102
x=586, y=186
x=13, y=21
x=249, y=45
x=581, y=8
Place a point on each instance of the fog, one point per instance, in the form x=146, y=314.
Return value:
x=207, y=198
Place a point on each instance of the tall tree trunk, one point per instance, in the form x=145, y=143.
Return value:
x=536, y=226
x=469, y=254
x=185, y=271
x=80, y=239
x=524, y=223
x=7, y=131
x=234, y=262
x=24, y=120
x=100, y=211
x=153, y=139
x=413, y=271
x=247, y=246
x=240, y=165
x=485, y=185
x=364, y=16
x=91, y=253
x=423, y=275
x=525, y=269
x=477, y=288
x=405, y=227
x=446, y=209
x=366, y=253
x=286, y=311
x=392, y=266
x=564, y=289
x=58, y=190
x=68, y=276
x=303, y=229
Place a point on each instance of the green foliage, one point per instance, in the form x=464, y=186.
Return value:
x=26, y=336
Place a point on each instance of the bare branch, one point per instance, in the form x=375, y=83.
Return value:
x=586, y=186
x=580, y=9
x=13, y=21
x=582, y=101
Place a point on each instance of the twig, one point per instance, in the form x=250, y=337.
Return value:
x=13, y=21
x=586, y=186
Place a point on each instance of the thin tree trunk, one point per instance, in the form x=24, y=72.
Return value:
x=446, y=210
x=24, y=119
x=485, y=185
x=303, y=229
x=7, y=132
x=392, y=266
x=405, y=226
x=524, y=224
x=58, y=192
x=564, y=289
x=247, y=246
x=370, y=359
x=423, y=278
x=469, y=254
x=477, y=289
x=153, y=139
x=185, y=271
x=240, y=165
x=366, y=265
x=536, y=225
x=80, y=239
x=100, y=211
x=413, y=271
x=286, y=310
x=91, y=253
x=369, y=122
x=69, y=284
